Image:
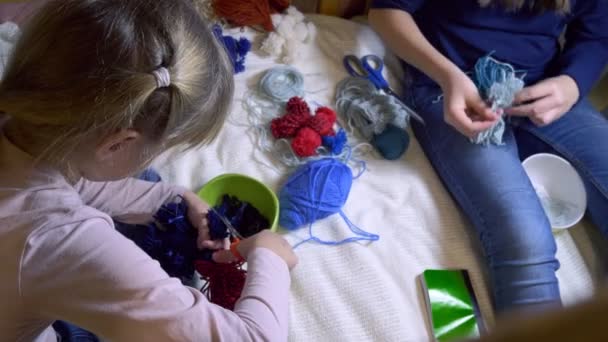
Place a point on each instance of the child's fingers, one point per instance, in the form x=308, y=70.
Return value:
x=210, y=244
x=203, y=232
x=225, y=257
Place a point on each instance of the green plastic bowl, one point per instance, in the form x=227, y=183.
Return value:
x=246, y=189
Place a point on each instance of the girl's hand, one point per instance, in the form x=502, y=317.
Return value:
x=546, y=101
x=272, y=241
x=464, y=108
x=197, y=215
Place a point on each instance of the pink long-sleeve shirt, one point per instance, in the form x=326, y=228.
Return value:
x=62, y=259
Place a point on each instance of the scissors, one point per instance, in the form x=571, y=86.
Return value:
x=370, y=67
x=235, y=233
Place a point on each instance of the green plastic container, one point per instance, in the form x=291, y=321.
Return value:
x=246, y=189
x=452, y=305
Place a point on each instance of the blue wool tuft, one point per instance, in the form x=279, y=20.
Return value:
x=244, y=46
x=392, y=142
x=237, y=49
x=336, y=143
x=315, y=191
x=498, y=84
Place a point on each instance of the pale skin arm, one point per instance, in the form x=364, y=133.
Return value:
x=463, y=107
x=546, y=101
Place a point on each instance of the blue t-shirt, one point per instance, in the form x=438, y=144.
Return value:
x=464, y=31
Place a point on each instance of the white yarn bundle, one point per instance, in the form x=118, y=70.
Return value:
x=292, y=31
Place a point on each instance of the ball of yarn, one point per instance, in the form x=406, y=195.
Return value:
x=315, y=191
x=392, y=142
x=323, y=121
x=368, y=110
x=306, y=142
x=281, y=84
x=245, y=13
x=288, y=125
x=296, y=105
x=298, y=115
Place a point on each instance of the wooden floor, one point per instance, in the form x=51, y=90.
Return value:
x=599, y=95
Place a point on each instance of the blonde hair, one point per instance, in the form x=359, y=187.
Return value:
x=560, y=6
x=84, y=68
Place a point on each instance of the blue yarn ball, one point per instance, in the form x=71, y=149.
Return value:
x=315, y=191
x=392, y=142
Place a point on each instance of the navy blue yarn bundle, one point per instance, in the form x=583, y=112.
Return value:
x=315, y=191
x=171, y=239
x=242, y=215
x=237, y=49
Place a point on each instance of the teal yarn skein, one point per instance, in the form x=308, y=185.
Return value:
x=315, y=191
x=380, y=118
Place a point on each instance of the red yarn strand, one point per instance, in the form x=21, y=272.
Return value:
x=224, y=282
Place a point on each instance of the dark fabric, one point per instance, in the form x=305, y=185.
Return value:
x=463, y=31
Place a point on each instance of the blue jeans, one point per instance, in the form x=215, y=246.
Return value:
x=491, y=187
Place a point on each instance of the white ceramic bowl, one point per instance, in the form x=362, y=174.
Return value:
x=560, y=188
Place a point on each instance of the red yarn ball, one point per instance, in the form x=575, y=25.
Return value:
x=323, y=122
x=281, y=129
x=306, y=142
x=328, y=114
x=298, y=106
x=288, y=126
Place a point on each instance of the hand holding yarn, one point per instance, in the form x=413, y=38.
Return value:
x=271, y=241
x=464, y=109
x=197, y=215
x=547, y=101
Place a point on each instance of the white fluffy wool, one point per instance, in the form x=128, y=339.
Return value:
x=291, y=33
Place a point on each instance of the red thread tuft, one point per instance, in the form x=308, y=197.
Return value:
x=245, y=13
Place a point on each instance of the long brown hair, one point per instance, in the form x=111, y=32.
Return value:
x=560, y=6
x=83, y=69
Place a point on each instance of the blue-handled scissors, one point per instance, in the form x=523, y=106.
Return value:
x=370, y=67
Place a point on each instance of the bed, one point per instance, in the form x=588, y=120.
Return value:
x=367, y=292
